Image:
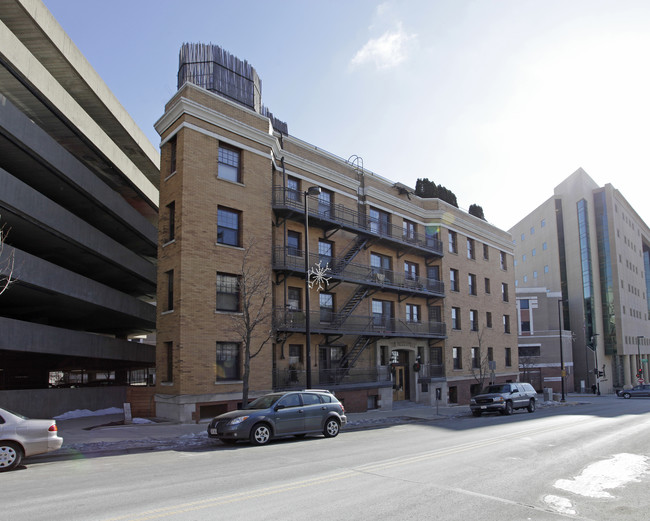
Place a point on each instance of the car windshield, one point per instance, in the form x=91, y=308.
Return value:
x=264, y=402
x=497, y=389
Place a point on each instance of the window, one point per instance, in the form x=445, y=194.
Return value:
x=506, y=323
x=543, y=223
x=227, y=292
x=412, y=313
x=534, y=252
x=532, y=230
x=453, y=242
x=408, y=230
x=379, y=222
x=432, y=235
x=170, y=290
x=228, y=225
x=529, y=351
x=546, y=269
x=169, y=362
x=293, y=243
x=471, y=251
x=172, y=155
x=326, y=307
x=503, y=260
x=488, y=319
x=380, y=265
x=410, y=270
x=295, y=354
x=325, y=203
x=293, y=189
x=490, y=354
x=227, y=361
x=473, y=319
x=453, y=280
x=382, y=312
x=504, y=291
x=457, y=353
x=435, y=356
x=455, y=318
x=325, y=252
x=228, y=167
x=487, y=285
x=471, y=281
x=544, y=246
x=476, y=358
x=508, y=357
x=486, y=252
x=435, y=314
x=294, y=298
x=171, y=221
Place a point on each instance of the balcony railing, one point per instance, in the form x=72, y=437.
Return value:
x=431, y=371
x=339, y=215
x=377, y=325
x=296, y=379
x=286, y=258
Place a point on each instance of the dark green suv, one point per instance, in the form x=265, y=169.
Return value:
x=293, y=413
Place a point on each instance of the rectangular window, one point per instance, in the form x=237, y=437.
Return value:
x=228, y=167
x=490, y=354
x=293, y=189
x=293, y=243
x=471, y=251
x=487, y=285
x=169, y=362
x=227, y=292
x=486, y=252
x=295, y=354
x=471, y=281
x=508, y=357
x=326, y=307
x=433, y=272
x=473, y=319
x=503, y=260
x=172, y=155
x=506, y=323
x=379, y=222
x=325, y=252
x=170, y=290
x=228, y=226
x=453, y=242
x=412, y=313
x=457, y=353
x=435, y=314
x=171, y=221
x=435, y=356
x=454, y=283
x=294, y=297
x=408, y=230
x=504, y=291
x=228, y=365
x=410, y=270
x=432, y=235
x=544, y=246
x=488, y=319
x=382, y=312
x=529, y=351
x=476, y=358
x=455, y=318
x=325, y=203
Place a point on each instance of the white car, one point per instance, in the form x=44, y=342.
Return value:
x=21, y=437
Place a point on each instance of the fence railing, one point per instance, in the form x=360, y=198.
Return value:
x=296, y=379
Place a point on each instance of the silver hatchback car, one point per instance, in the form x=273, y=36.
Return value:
x=294, y=413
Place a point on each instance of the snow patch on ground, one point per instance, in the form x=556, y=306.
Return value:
x=560, y=504
x=82, y=413
x=616, y=472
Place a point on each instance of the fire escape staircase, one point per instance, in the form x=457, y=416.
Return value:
x=350, y=253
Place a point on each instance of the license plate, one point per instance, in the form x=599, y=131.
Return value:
x=213, y=431
x=483, y=406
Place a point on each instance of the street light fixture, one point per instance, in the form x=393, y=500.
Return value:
x=559, y=318
x=312, y=190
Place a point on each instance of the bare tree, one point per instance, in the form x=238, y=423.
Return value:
x=6, y=261
x=254, y=286
x=481, y=371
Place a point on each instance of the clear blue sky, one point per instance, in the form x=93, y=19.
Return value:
x=498, y=100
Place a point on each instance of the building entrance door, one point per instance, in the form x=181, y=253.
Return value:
x=399, y=388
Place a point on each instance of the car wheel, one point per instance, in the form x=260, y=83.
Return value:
x=11, y=454
x=508, y=410
x=531, y=405
x=332, y=428
x=476, y=413
x=261, y=434
x=627, y=396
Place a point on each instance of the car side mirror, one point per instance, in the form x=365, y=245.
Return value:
x=278, y=407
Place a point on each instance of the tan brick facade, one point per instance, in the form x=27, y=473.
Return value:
x=386, y=310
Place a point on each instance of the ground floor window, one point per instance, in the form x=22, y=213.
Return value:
x=228, y=357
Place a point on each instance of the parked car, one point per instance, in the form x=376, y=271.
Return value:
x=639, y=390
x=21, y=437
x=504, y=398
x=294, y=413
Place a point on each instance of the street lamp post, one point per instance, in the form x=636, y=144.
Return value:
x=312, y=190
x=638, y=348
x=559, y=318
x=596, y=375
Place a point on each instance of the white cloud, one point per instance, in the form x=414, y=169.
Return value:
x=385, y=52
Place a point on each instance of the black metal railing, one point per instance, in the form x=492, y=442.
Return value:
x=288, y=258
x=432, y=371
x=339, y=215
x=296, y=379
x=376, y=325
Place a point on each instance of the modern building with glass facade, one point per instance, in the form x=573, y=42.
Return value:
x=587, y=244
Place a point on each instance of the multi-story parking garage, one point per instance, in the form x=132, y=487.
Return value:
x=79, y=201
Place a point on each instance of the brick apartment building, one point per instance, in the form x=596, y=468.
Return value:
x=420, y=297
